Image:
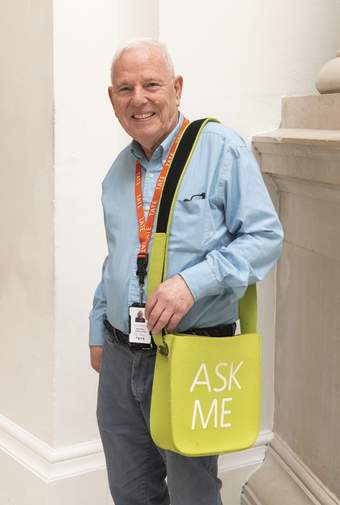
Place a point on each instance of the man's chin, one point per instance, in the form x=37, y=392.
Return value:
x=147, y=135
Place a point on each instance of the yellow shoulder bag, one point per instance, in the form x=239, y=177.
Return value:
x=206, y=390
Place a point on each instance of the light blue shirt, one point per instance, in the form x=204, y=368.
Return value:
x=225, y=238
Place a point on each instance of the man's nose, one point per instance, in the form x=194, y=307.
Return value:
x=139, y=96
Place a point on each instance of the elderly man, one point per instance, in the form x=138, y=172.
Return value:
x=225, y=235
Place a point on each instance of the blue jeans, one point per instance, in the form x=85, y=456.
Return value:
x=136, y=467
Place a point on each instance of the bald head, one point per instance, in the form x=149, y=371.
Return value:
x=148, y=45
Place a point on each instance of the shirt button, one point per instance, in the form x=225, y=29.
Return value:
x=151, y=175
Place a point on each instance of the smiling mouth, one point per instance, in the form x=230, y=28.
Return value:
x=143, y=117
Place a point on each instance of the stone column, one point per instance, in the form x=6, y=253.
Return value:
x=302, y=464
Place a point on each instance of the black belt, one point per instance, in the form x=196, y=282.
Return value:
x=221, y=330
x=122, y=338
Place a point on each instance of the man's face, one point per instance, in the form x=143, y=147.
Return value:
x=145, y=96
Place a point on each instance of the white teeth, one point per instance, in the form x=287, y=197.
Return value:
x=143, y=116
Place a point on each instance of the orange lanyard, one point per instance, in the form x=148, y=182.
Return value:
x=145, y=227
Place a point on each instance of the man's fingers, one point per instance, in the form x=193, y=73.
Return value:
x=159, y=317
x=173, y=322
x=150, y=305
x=162, y=322
x=168, y=305
x=154, y=315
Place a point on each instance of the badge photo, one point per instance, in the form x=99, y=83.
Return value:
x=139, y=333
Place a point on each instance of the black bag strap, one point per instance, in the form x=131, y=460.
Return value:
x=182, y=156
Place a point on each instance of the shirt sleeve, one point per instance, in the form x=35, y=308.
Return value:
x=98, y=313
x=254, y=226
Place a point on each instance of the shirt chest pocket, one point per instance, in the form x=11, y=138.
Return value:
x=188, y=228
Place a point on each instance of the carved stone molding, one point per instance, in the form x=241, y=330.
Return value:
x=285, y=480
x=310, y=155
x=302, y=158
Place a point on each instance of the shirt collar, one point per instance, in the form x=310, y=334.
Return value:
x=162, y=150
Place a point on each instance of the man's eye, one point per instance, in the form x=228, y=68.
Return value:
x=152, y=84
x=123, y=89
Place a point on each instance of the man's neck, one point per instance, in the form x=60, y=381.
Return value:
x=149, y=152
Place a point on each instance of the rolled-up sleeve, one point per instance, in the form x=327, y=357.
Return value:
x=251, y=222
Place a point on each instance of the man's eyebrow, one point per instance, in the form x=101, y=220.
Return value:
x=120, y=84
x=155, y=79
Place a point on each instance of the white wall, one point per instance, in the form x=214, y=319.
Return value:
x=239, y=57
x=84, y=39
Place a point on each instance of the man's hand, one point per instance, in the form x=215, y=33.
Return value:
x=96, y=357
x=168, y=305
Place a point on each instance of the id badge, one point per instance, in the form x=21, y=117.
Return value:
x=139, y=333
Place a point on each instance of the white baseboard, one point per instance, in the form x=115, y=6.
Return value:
x=50, y=464
x=46, y=462
x=293, y=482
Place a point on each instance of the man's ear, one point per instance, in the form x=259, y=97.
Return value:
x=110, y=92
x=178, y=85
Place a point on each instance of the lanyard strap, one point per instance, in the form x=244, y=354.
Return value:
x=145, y=227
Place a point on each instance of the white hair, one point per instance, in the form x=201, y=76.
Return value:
x=144, y=42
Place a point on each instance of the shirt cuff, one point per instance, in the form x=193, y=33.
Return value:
x=97, y=333
x=201, y=281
